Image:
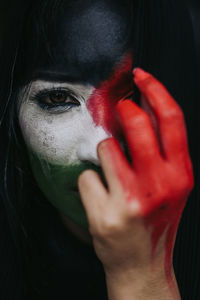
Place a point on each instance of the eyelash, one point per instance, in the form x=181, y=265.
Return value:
x=55, y=107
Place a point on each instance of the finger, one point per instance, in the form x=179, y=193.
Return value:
x=139, y=133
x=169, y=116
x=93, y=193
x=114, y=164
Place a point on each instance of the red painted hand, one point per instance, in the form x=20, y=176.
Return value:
x=134, y=223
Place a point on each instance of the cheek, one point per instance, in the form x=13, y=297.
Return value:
x=62, y=140
x=51, y=137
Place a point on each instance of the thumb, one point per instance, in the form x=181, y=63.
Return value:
x=93, y=194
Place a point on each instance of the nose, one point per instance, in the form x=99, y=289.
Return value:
x=87, y=150
x=101, y=106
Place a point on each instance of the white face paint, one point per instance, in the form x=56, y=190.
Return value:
x=62, y=135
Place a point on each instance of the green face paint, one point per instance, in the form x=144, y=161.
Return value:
x=59, y=185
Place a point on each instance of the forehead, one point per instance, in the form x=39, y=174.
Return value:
x=85, y=40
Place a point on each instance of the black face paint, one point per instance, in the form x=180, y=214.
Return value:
x=77, y=41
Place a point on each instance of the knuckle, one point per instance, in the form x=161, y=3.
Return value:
x=133, y=210
x=174, y=114
x=163, y=191
x=176, y=189
x=141, y=119
x=109, y=227
x=105, y=228
x=185, y=184
x=181, y=179
x=172, y=186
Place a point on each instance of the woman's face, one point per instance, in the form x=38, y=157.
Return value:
x=63, y=120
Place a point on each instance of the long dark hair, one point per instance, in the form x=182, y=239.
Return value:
x=163, y=45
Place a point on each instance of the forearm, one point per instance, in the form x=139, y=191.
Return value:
x=136, y=286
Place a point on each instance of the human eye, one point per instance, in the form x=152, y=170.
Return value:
x=55, y=100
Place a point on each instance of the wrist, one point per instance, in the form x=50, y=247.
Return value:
x=141, y=284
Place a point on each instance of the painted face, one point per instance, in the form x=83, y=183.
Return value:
x=63, y=121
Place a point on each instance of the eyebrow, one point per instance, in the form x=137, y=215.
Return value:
x=55, y=76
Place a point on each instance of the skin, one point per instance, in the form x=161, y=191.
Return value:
x=144, y=200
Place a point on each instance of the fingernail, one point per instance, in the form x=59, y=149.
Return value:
x=140, y=74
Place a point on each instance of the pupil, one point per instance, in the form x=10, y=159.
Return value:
x=57, y=97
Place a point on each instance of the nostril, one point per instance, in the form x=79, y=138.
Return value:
x=91, y=161
x=85, y=162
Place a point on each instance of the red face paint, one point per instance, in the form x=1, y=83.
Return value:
x=103, y=100
x=165, y=220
